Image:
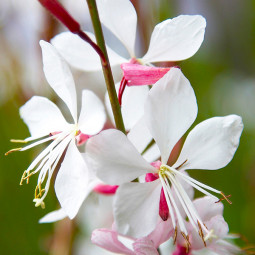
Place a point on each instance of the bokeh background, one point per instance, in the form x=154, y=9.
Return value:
x=222, y=74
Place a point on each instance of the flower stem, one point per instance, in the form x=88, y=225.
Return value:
x=106, y=66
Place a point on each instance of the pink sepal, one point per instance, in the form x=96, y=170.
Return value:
x=82, y=138
x=106, y=189
x=163, y=207
x=136, y=75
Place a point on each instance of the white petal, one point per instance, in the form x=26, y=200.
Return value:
x=59, y=77
x=53, y=216
x=42, y=117
x=132, y=108
x=207, y=208
x=170, y=110
x=136, y=208
x=212, y=143
x=108, y=239
x=176, y=39
x=140, y=137
x=92, y=116
x=114, y=159
x=119, y=16
x=73, y=183
x=80, y=54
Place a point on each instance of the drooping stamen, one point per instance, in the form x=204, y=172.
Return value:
x=187, y=242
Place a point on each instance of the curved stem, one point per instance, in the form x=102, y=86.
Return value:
x=106, y=66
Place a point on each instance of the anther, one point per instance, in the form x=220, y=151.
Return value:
x=181, y=164
x=200, y=232
x=224, y=198
x=12, y=150
x=187, y=242
x=18, y=141
x=175, y=234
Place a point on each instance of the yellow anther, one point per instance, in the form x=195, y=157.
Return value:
x=18, y=141
x=12, y=150
x=200, y=232
x=175, y=234
x=39, y=202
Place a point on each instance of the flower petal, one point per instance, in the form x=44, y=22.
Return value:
x=42, y=116
x=114, y=159
x=211, y=144
x=92, y=116
x=108, y=239
x=59, y=77
x=80, y=54
x=53, y=216
x=170, y=110
x=162, y=232
x=73, y=182
x=136, y=208
x=132, y=107
x=144, y=246
x=207, y=208
x=119, y=16
x=176, y=39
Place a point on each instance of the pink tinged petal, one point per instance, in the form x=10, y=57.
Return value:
x=114, y=159
x=140, y=137
x=73, y=183
x=150, y=177
x=170, y=110
x=136, y=208
x=59, y=77
x=53, y=216
x=132, y=105
x=144, y=246
x=92, y=116
x=163, y=231
x=119, y=16
x=105, y=189
x=108, y=239
x=207, y=208
x=142, y=75
x=176, y=39
x=212, y=143
x=42, y=117
x=80, y=54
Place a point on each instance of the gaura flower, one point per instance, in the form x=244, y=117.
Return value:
x=172, y=40
x=169, y=111
x=46, y=123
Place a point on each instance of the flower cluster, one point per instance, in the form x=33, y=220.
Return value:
x=153, y=200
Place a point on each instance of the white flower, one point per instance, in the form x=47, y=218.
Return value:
x=170, y=110
x=46, y=123
x=172, y=40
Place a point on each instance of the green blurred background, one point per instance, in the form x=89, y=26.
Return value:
x=221, y=73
